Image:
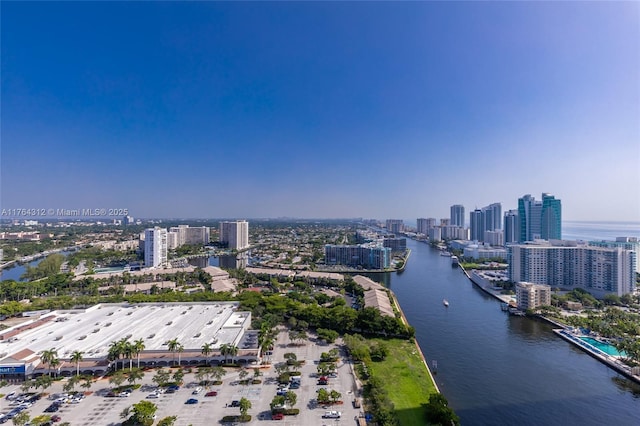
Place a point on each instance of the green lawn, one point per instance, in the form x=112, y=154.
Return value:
x=406, y=380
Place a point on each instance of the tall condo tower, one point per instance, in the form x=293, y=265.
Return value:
x=155, y=247
x=540, y=219
x=551, y=218
x=457, y=215
x=235, y=234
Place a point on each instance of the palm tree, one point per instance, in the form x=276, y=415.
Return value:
x=76, y=357
x=207, y=348
x=126, y=349
x=138, y=346
x=173, y=347
x=135, y=375
x=180, y=349
x=115, y=351
x=228, y=349
x=50, y=357
x=245, y=404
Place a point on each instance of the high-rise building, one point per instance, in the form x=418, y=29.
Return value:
x=567, y=265
x=476, y=225
x=423, y=226
x=235, y=235
x=492, y=217
x=627, y=243
x=511, y=227
x=531, y=217
x=395, y=226
x=457, y=215
x=155, y=247
x=551, y=218
x=365, y=256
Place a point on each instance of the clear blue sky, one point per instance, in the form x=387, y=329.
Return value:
x=364, y=109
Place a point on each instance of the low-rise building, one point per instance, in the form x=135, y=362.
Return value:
x=532, y=296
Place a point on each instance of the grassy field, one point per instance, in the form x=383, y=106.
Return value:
x=406, y=379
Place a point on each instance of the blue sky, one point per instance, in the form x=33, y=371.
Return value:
x=364, y=109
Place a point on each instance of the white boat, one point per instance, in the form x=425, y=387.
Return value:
x=445, y=302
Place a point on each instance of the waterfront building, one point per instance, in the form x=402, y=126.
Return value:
x=551, y=218
x=532, y=296
x=444, y=222
x=479, y=251
x=567, y=265
x=155, y=247
x=367, y=256
x=435, y=234
x=511, y=227
x=492, y=217
x=395, y=244
x=172, y=240
x=235, y=235
x=627, y=243
x=395, y=226
x=452, y=232
x=424, y=225
x=457, y=215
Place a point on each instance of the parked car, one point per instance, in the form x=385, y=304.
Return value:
x=211, y=393
x=234, y=403
x=191, y=401
x=277, y=416
x=153, y=395
x=55, y=418
x=331, y=415
x=196, y=391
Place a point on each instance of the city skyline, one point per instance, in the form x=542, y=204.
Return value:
x=312, y=110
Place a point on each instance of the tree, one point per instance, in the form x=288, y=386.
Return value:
x=245, y=404
x=178, y=375
x=76, y=357
x=114, y=353
x=173, y=346
x=40, y=420
x=50, y=357
x=277, y=402
x=206, y=350
x=138, y=347
x=43, y=382
x=21, y=419
x=168, y=421
x=87, y=381
x=334, y=395
x=135, y=375
x=228, y=350
x=117, y=378
x=218, y=373
x=71, y=383
x=290, y=398
x=143, y=412
x=161, y=377
x=439, y=412
x=243, y=375
x=323, y=396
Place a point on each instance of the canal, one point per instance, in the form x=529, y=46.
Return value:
x=500, y=370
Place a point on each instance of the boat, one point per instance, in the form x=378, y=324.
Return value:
x=445, y=302
x=445, y=253
x=454, y=261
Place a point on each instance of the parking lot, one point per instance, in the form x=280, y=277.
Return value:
x=97, y=409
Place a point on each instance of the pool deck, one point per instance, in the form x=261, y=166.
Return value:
x=612, y=361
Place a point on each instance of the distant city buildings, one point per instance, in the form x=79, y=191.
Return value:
x=366, y=256
x=235, y=235
x=155, y=247
x=567, y=265
x=395, y=226
x=539, y=219
x=184, y=234
x=486, y=219
x=425, y=224
x=457, y=215
x=532, y=296
x=511, y=227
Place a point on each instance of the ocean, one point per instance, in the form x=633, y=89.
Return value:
x=598, y=231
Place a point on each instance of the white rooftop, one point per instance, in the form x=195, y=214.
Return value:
x=93, y=329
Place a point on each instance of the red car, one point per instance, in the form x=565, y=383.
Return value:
x=56, y=418
x=277, y=416
x=212, y=393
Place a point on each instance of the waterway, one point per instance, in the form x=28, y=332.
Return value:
x=497, y=369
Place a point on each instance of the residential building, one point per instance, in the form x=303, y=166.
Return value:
x=155, y=247
x=457, y=215
x=367, y=256
x=452, y=232
x=480, y=251
x=444, y=222
x=395, y=226
x=395, y=244
x=511, y=227
x=476, y=225
x=424, y=225
x=567, y=265
x=551, y=218
x=235, y=235
x=435, y=234
x=494, y=238
x=532, y=296
x=627, y=243
x=539, y=219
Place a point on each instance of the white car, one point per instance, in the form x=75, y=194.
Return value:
x=153, y=395
x=196, y=390
x=331, y=415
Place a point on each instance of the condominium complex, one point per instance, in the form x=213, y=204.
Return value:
x=532, y=296
x=539, y=219
x=235, y=235
x=365, y=256
x=425, y=224
x=567, y=265
x=395, y=226
x=155, y=247
x=488, y=218
x=511, y=227
x=457, y=215
x=184, y=234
